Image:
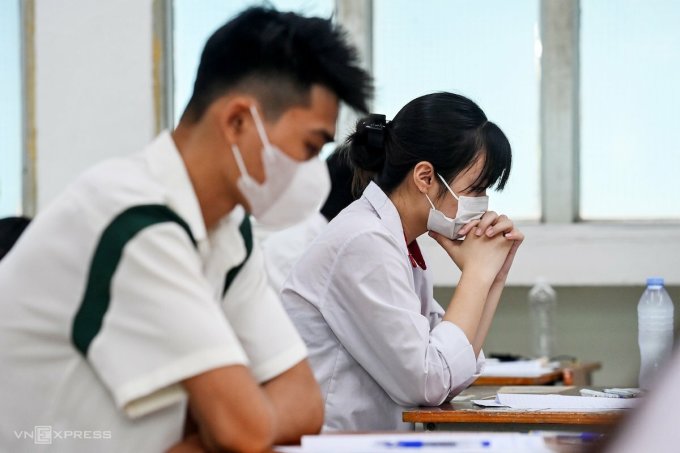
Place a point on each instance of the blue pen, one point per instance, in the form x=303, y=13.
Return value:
x=583, y=437
x=435, y=444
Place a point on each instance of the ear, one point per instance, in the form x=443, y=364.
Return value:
x=234, y=116
x=424, y=176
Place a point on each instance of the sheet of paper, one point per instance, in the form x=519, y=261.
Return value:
x=535, y=389
x=519, y=368
x=426, y=442
x=562, y=402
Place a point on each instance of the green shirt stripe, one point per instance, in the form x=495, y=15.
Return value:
x=90, y=315
x=247, y=232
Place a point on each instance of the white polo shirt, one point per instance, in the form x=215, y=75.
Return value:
x=375, y=334
x=114, y=295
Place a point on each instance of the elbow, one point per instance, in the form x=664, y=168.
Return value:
x=422, y=393
x=253, y=435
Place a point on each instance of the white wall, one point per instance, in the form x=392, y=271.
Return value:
x=585, y=254
x=94, y=85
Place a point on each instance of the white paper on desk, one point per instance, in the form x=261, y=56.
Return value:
x=519, y=368
x=563, y=402
x=467, y=442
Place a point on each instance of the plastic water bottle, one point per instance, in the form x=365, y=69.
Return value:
x=542, y=306
x=655, y=329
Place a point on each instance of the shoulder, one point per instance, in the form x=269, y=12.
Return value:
x=119, y=182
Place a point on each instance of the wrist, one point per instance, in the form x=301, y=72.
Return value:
x=478, y=274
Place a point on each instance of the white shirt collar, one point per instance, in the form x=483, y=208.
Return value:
x=167, y=167
x=386, y=211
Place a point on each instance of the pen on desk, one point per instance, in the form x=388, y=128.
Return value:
x=584, y=437
x=435, y=444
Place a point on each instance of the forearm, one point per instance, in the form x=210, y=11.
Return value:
x=190, y=444
x=298, y=407
x=468, y=303
x=488, y=313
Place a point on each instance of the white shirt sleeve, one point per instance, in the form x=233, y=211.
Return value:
x=436, y=316
x=372, y=308
x=162, y=324
x=263, y=327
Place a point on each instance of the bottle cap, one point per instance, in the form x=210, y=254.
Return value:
x=655, y=281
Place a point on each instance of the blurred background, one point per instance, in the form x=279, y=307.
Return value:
x=587, y=92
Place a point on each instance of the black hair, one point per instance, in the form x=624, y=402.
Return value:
x=447, y=130
x=341, y=194
x=278, y=56
x=10, y=230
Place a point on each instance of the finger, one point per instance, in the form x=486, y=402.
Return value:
x=468, y=227
x=515, y=235
x=444, y=242
x=486, y=221
x=502, y=225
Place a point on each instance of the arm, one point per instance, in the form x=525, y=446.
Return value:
x=229, y=420
x=492, y=225
x=296, y=399
x=480, y=260
x=291, y=408
x=275, y=350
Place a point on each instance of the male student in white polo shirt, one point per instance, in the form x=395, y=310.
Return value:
x=138, y=296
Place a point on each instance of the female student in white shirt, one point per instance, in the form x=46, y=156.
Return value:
x=361, y=296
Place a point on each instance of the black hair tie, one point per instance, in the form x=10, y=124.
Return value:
x=375, y=131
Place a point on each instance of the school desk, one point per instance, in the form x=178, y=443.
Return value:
x=465, y=416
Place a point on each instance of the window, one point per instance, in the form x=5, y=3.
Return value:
x=630, y=100
x=10, y=111
x=484, y=50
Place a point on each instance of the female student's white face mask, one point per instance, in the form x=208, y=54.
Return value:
x=469, y=209
x=279, y=171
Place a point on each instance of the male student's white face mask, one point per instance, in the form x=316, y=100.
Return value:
x=279, y=171
x=469, y=209
x=303, y=197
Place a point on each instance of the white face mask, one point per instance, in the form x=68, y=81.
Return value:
x=469, y=209
x=279, y=171
x=303, y=197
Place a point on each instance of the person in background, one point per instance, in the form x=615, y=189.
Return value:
x=10, y=230
x=137, y=302
x=282, y=249
x=361, y=296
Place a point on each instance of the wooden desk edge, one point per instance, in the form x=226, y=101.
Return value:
x=512, y=417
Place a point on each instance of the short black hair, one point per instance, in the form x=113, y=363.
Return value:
x=278, y=56
x=448, y=130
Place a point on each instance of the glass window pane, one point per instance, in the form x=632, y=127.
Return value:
x=630, y=139
x=485, y=50
x=10, y=110
x=194, y=22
